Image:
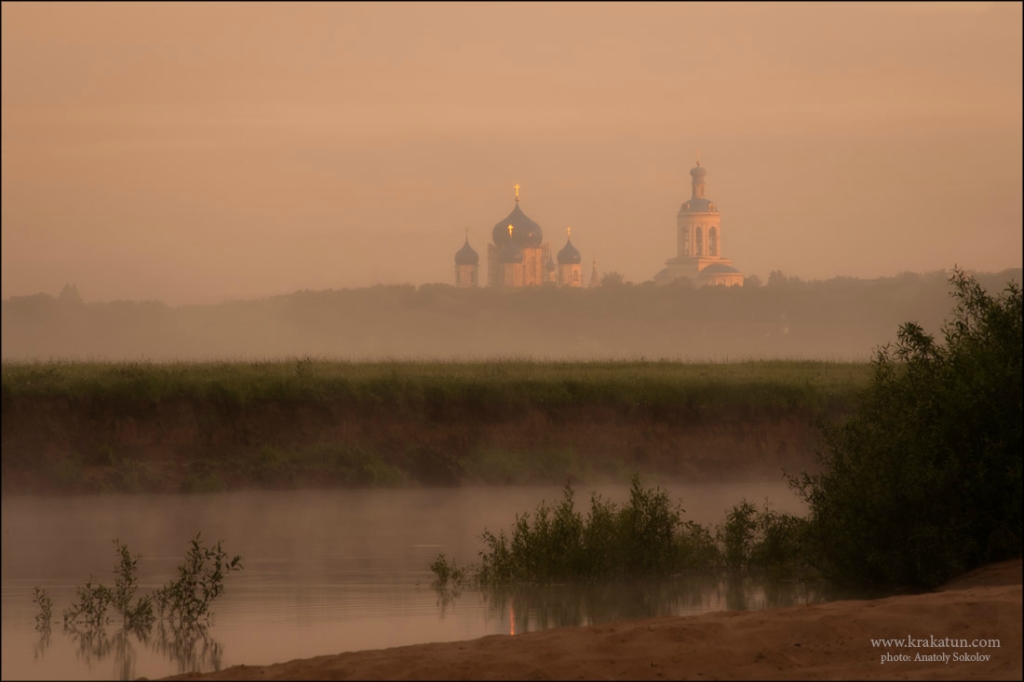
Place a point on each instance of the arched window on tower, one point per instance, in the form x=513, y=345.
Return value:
x=713, y=241
x=700, y=242
x=686, y=240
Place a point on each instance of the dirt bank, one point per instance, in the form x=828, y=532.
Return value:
x=76, y=446
x=827, y=641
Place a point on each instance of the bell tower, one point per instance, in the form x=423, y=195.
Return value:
x=699, y=240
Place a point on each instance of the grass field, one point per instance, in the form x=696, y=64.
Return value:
x=764, y=383
x=210, y=426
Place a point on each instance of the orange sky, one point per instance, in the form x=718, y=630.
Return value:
x=196, y=152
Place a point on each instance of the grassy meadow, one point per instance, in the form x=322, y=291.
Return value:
x=764, y=383
x=162, y=427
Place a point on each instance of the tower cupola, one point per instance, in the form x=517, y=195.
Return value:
x=697, y=183
x=467, y=265
x=569, y=254
x=466, y=255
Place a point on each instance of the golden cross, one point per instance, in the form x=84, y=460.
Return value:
x=568, y=232
x=517, y=192
x=698, y=157
x=510, y=229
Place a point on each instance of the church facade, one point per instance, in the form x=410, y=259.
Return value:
x=699, y=241
x=519, y=257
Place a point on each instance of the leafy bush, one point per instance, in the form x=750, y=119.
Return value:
x=765, y=541
x=185, y=600
x=646, y=537
x=737, y=533
x=924, y=481
x=42, y=599
x=648, y=531
x=141, y=613
x=781, y=547
x=200, y=581
x=91, y=607
x=446, y=572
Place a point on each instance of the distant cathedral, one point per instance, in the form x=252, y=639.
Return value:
x=699, y=242
x=519, y=257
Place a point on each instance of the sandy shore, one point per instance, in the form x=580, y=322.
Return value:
x=827, y=641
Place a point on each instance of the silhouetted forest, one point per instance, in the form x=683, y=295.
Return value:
x=840, y=318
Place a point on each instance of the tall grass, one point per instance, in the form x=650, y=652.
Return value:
x=205, y=427
x=492, y=386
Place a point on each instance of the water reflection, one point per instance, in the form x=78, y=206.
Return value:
x=312, y=587
x=190, y=648
x=446, y=597
x=40, y=647
x=746, y=593
x=539, y=607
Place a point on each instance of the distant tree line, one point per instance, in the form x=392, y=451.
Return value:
x=840, y=318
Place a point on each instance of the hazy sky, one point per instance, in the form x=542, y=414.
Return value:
x=194, y=152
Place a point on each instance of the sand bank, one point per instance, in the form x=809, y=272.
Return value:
x=827, y=641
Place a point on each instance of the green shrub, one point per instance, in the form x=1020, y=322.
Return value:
x=648, y=531
x=765, y=541
x=42, y=599
x=737, y=534
x=91, y=607
x=646, y=537
x=140, y=614
x=445, y=572
x=698, y=550
x=185, y=600
x=200, y=580
x=781, y=546
x=924, y=481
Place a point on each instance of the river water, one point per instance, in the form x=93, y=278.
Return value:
x=324, y=572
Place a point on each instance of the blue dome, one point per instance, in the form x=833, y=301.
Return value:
x=525, y=232
x=698, y=173
x=510, y=253
x=569, y=255
x=466, y=255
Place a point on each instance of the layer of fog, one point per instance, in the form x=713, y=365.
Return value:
x=58, y=539
x=839, y=319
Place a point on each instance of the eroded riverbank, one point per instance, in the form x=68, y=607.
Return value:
x=214, y=427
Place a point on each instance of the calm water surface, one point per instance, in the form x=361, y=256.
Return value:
x=325, y=572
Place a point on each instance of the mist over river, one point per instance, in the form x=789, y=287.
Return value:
x=324, y=572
